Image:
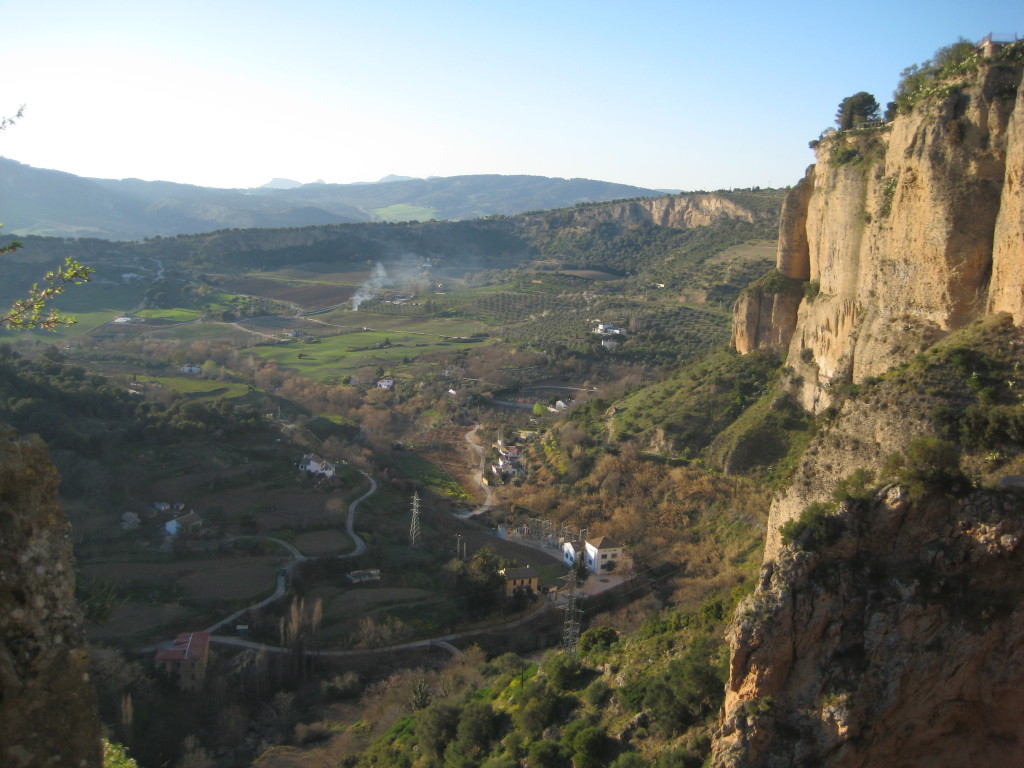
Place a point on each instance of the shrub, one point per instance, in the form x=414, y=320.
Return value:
x=888, y=193
x=597, y=638
x=544, y=754
x=817, y=526
x=855, y=487
x=919, y=81
x=597, y=693
x=842, y=155
x=564, y=672
x=933, y=464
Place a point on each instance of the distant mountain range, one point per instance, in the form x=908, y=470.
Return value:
x=44, y=202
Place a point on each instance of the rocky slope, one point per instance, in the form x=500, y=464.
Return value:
x=47, y=708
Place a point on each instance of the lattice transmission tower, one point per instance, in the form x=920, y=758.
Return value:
x=571, y=624
x=414, y=526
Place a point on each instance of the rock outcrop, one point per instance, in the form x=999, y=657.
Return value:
x=910, y=230
x=47, y=708
x=902, y=644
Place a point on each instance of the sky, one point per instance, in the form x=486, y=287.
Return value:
x=659, y=94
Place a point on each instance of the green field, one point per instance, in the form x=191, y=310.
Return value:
x=340, y=355
x=174, y=315
x=199, y=389
x=403, y=212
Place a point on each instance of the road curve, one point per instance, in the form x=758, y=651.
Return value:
x=360, y=545
x=478, y=476
x=297, y=557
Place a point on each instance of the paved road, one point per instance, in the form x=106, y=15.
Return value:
x=359, y=548
x=444, y=642
x=281, y=588
x=478, y=476
x=360, y=545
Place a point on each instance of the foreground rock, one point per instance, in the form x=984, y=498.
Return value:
x=902, y=644
x=47, y=708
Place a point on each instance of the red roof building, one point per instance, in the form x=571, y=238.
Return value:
x=186, y=659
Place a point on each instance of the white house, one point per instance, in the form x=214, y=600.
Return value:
x=360, y=577
x=387, y=382
x=602, y=554
x=608, y=329
x=190, y=369
x=510, y=453
x=190, y=523
x=317, y=465
x=571, y=551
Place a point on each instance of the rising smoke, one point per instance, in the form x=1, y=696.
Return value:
x=409, y=274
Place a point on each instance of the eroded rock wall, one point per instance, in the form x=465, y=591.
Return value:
x=898, y=645
x=682, y=211
x=47, y=708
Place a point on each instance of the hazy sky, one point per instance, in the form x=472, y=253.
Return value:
x=686, y=95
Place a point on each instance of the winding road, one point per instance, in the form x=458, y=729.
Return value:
x=478, y=476
x=285, y=573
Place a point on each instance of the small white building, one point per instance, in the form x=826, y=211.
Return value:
x=607, y=329
x=388, y=382
x=602, y=554
x=190, y=523
x=189, y=369
x=363, y=576
x=317, y=465
x=571, y=551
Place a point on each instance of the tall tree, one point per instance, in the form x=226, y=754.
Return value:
x=856, y=109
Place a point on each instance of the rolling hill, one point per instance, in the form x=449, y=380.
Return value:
x=45, y=202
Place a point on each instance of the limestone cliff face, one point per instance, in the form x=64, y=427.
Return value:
x=682, y=211
x=901, y=643
x=898, y=645
x=47, y=709
x=764, y=320
x=910, y=230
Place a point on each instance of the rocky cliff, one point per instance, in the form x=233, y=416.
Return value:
x=906, y=231
x=47, y=708
x=889, y=631
x=900, y=644
x=682, y=211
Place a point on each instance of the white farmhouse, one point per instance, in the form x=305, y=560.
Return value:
x=602, y=554
x=317, y=465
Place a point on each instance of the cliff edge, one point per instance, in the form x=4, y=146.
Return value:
x=903, y=232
